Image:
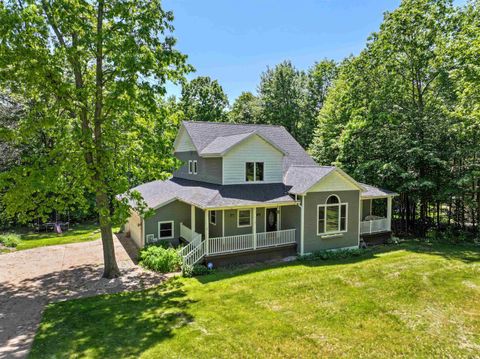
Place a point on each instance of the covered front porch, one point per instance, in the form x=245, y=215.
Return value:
x=224, y=231
x=376, y=215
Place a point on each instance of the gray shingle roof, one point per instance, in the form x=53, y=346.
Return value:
x=208, y=195
x=223, y=143
x=372, y=191
x=301, y=178
x=204, y=133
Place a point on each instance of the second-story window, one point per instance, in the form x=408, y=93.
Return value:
x=192, y=167
x=195, y=167
x=253, y=171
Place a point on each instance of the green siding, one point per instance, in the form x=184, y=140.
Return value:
x=313, y=242
x=209, y=169
x=291, y=220
x=175, y=211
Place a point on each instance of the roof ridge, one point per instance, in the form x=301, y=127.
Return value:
x=235, y=124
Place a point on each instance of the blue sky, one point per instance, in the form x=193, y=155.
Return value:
x=234, y=41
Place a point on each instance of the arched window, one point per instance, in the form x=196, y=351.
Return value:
x=332, y=216
x=332, y=199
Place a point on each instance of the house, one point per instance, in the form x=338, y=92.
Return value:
x=251, y=192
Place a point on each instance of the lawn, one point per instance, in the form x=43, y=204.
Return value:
x=79, y=233
x=409, y=300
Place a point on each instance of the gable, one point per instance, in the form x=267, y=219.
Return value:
x=252, y=149
x=183, y=142
x=335, y=181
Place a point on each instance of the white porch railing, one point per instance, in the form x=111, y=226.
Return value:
x=244, y=242
x=278, y=238
x=188, y=234
x=195, y=255
x=375, y=226
x=197, y=239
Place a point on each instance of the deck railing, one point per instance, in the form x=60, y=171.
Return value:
x=374, y=226
x=195, y=255
x=245, y=242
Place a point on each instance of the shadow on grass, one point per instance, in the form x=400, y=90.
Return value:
x=121, y=325
x=22, y=303
x=467, y=253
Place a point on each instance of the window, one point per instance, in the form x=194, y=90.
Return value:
x=244, y=218
x=165, y=230
x=213, y=217
x=253, y=171
x=195, y=167
x=332, y=216
x=190, y=167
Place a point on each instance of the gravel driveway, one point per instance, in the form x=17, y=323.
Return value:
x=32, y=278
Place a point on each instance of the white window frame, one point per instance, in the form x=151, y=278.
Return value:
x=195, y=167
x=325, y=207
x=149, y=238
x=173, y=230
x=238, y=217
x=190, y=167
x=254, y=172
x=210, y=218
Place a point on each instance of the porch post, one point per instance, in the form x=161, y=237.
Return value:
x=389, y=213
x=192, y=218
x=206, y=222
x=302, y=225
x=254, y=224
x=223, y=223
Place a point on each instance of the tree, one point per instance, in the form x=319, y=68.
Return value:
x=203, y=99
x=95, y=71
x=283, y=95
x=387, y=120
x=320, y=79
x=246, y=109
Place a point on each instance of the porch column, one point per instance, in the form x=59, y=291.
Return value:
x=206, y=222
x=192, y=218
x=302, y=225
x=389, y=213
x=254, y=224
x=223, y=223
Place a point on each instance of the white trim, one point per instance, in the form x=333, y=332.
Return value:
x=341, y=173
x=325, y=206
x=223, y=223
x=360, y=210
x=210, y=217
x=302, y=226
x=190, y=167
x=142, y=231
x=173, y=229
x=195, y=167
x=238, y=217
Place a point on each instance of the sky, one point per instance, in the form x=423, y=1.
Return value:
x=234, y=41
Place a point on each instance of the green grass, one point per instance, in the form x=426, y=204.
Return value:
x=410, y=300
x=79, y=233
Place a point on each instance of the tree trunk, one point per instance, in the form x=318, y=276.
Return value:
x=110, y=263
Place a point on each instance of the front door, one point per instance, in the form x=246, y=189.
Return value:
x=271, y=220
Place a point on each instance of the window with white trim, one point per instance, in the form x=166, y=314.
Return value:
x=253, y=171
x=332, y=217
x=244, y=218
x=213, y=217
x=165, y=230
x=190, y=167
x=195, y=167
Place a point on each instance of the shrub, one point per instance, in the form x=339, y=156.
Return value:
x=160, y=259
x=161, y=243
x=195, y=270
x=10, y=240
x=334, y=254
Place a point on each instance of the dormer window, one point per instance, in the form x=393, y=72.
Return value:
x=195, y=167
x=254, y=171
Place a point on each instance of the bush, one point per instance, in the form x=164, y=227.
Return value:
x=334, y=254
x=195, y=270
x=10, y=240
x=161, y=243
x=160, y=259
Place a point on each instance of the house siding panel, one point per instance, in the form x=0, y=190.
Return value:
x=176, y=211
x=350, y=238
x=291, y=220
x=254, y=149
x=209, y=169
